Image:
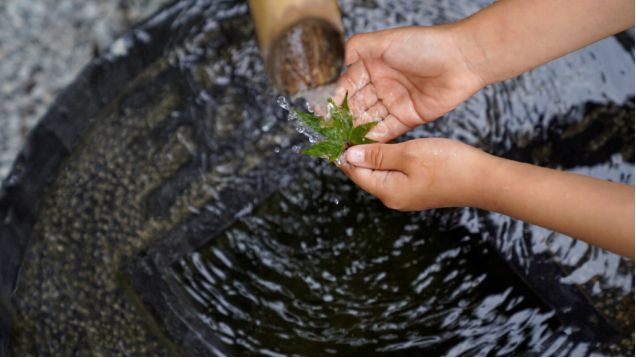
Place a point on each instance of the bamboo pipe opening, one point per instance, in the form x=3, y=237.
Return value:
x=300, y=40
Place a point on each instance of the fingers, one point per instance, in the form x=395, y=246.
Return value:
x=358, y=48
x=374, y=114
x=399, y=99
x=361, y=46
x=363, y=99
x=381, y=170
x=353, y=80
x=372, y=101
x=379, y=183
x=388, y=128
x=377, y=156
x=378, y=111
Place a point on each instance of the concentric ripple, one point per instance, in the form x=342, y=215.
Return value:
x=305, y=274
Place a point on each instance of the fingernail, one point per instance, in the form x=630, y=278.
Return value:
x=355, y=155
x=379, y=132
x=376, y=136
x=340, y=161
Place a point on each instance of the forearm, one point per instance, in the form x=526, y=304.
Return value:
x=596, y=211
x=513, y=36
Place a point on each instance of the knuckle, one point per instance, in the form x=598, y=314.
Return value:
x=375, y=156
x=407, y=152
x=412, y=148
x=349, y=84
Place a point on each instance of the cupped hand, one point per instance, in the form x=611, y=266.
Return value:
x=405, y=77
x=419, y=174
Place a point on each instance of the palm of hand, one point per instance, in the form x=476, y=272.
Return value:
x=411, y=77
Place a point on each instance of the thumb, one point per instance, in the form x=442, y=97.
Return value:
x=377, y=156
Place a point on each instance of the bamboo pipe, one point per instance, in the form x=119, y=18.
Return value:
x=300, y=40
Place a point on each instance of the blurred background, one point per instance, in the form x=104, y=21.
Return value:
x=43, y=46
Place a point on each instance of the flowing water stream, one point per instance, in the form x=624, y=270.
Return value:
x=165, y=211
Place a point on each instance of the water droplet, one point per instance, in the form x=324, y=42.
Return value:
x=143, y=36
x=282, y=101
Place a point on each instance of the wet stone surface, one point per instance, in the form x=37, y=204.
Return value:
x=43, y=46
x=153, y=156
x=166, y=213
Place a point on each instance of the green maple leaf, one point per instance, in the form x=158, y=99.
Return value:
x=337, y=132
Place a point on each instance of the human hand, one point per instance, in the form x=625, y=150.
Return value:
x=419, y=174
x=405, y=77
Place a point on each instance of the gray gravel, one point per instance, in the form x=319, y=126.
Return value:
x=44, y=44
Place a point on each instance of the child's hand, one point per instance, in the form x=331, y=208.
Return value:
x=432, y=173
x=405, y=76
x=418, y=174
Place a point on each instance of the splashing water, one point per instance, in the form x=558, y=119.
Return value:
x=283, y=103
x=316, y=98
x=299, y=125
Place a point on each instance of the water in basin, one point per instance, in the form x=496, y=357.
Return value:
x=177, y=217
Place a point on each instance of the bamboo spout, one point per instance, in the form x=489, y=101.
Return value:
x=301, y=41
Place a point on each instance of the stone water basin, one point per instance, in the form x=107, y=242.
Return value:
x=159, y=207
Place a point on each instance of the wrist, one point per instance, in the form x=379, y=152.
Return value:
x=474, y=57
x=485, y=185
x=488, y=44
x=464, y=177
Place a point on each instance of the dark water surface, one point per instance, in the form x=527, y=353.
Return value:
x=321, y=268
x=178, y=219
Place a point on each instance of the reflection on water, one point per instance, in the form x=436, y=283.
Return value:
x=182, y=221
x=322, y=268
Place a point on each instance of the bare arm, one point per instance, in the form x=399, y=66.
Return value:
x=513, y=36
x=408, y=76
x=497, y=43
x=593, y=210
x=434, y=172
